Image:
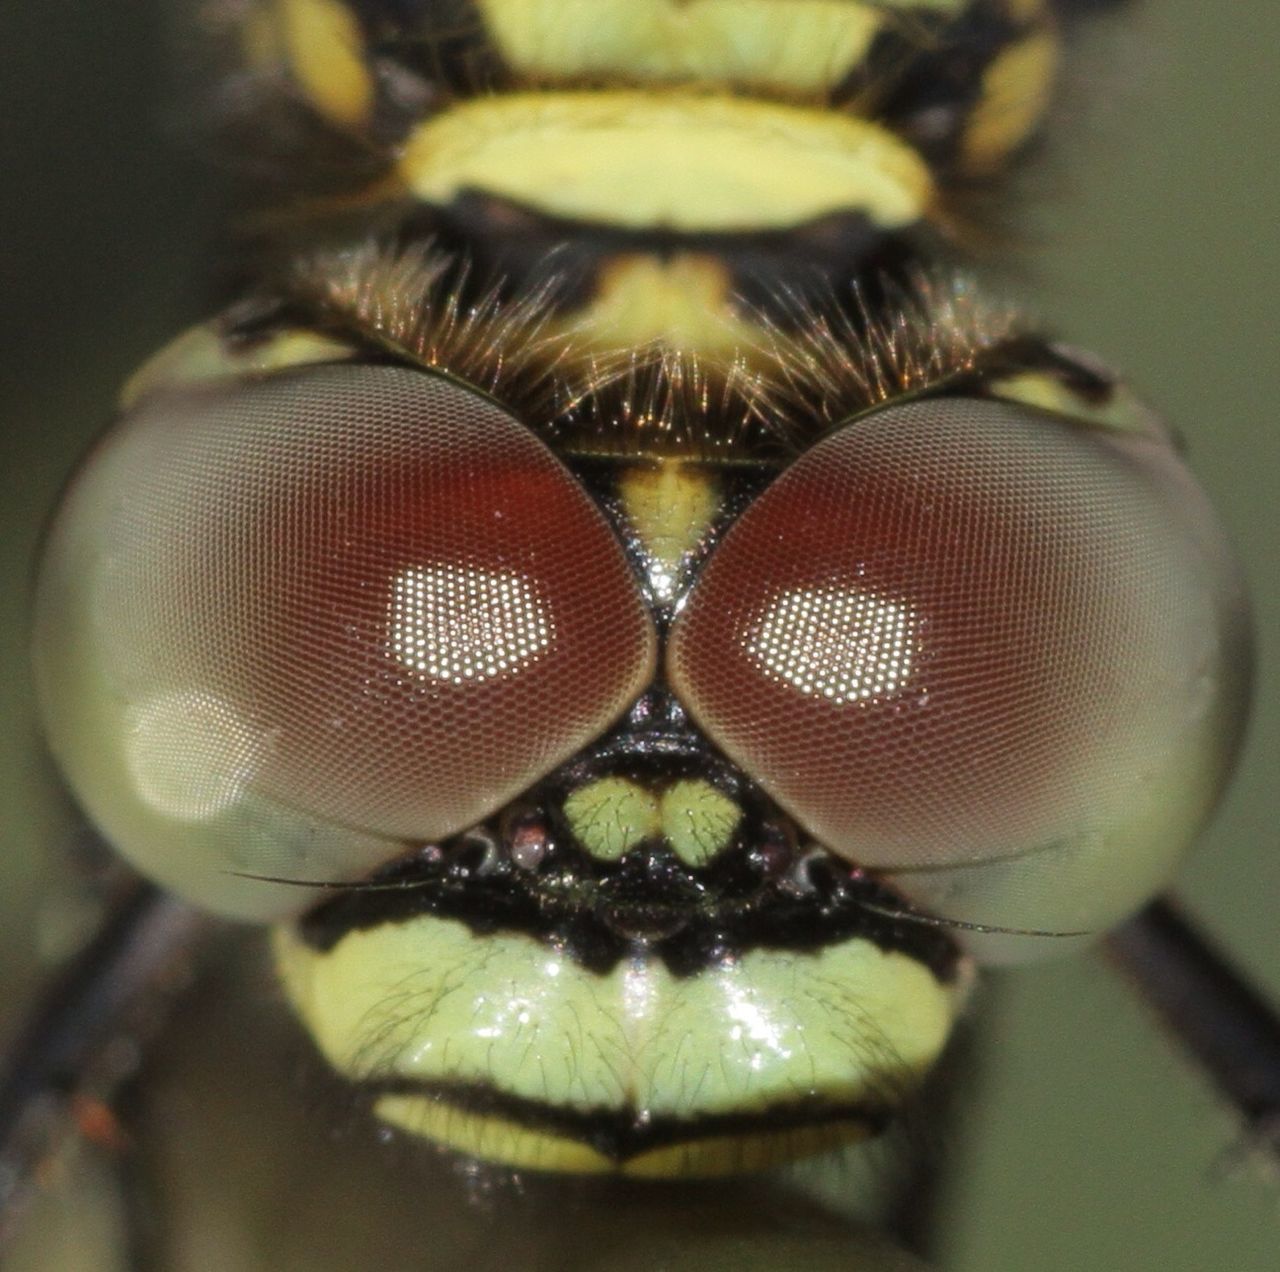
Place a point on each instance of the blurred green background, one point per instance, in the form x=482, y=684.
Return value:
x=1151, y=238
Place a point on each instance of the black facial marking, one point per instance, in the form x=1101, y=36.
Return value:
x=765, y=890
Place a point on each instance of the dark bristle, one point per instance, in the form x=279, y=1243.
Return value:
x=825, y=364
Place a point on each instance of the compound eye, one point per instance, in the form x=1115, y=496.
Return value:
x=285, y=627
x=958, y=631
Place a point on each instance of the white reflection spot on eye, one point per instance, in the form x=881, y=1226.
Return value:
x=844, y=644
x=454, y=624
x=190, y=754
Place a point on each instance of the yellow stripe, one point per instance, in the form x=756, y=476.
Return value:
x=325, y=51
x=495, y=1139
x=669, y=506
x=682, y=161
x=684, y=301
x=1121, y=410
x=491, y=1139
x=797, y=46
x=1016, y=89
x=202, y=355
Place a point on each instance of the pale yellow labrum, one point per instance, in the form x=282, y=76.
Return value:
x=495, y=1139
x=676, y=160
x=501, y=1140
x=429, y=1001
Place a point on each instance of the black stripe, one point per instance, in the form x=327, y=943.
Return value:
x=647, y=905
x=777, y=271
x=622, y=1133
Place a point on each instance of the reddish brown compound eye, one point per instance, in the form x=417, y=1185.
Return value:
x=345, y=597
x=957, y=631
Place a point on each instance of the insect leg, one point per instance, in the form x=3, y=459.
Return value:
x=77, y=1049
x=1210, y=1008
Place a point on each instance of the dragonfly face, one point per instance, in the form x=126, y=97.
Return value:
x=639, y=702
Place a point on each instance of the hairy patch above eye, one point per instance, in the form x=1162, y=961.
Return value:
x=804, y=371
x=411, y=303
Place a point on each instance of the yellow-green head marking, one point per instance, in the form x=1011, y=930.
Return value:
x=639, y=975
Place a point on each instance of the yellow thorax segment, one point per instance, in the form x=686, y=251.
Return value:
x=795, y=47
x=684, y=301
x=676, y=160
